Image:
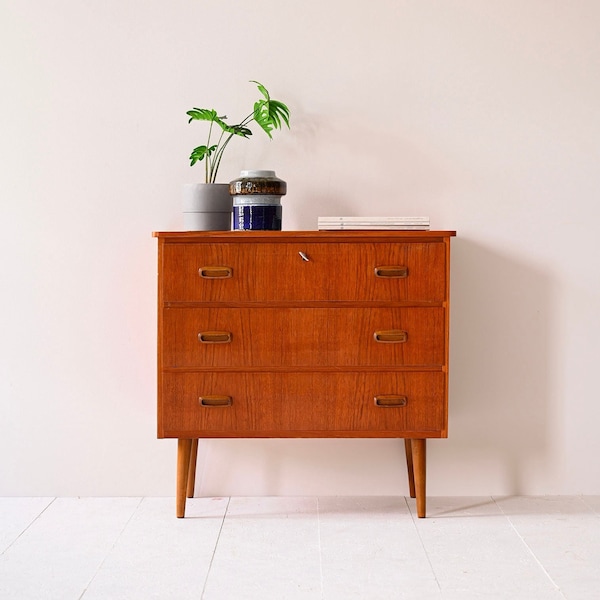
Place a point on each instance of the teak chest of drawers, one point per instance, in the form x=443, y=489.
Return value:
x=303, y=334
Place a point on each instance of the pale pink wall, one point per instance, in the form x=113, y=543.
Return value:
x=482, y=115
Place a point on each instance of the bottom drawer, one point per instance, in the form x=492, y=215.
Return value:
x=269, y=404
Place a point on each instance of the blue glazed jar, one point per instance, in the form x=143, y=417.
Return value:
x=257, y=216
x=257, y=200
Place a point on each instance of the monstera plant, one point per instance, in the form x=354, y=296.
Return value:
x=268, y=114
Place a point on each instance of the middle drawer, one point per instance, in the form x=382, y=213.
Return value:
x=302, y=337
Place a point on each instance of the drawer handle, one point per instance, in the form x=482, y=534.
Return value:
x=211, y=401
x=391, y=336
x=390, y=401
x=215, y=337
x=391, y=272
x=215, y=272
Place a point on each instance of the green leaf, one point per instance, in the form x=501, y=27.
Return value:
x=238, y=130
x=262, y=117
x=203, y=114
x=270, y=114
x=279, y=111
x=200, y=153
x=221, y=123
x=262, y=89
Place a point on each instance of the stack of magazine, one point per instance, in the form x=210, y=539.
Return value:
x=364, y=223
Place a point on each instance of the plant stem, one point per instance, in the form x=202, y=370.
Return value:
x=216, y=162
x=218, y=155
x=206, y=166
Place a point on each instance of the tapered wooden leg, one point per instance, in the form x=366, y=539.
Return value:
x=184, y=449
x=409, y=466
x=419, y=463
x=191, y=483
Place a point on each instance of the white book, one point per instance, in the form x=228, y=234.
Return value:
x=358, y=224
x=363, y=224
x=351, y=227
x=367, y=220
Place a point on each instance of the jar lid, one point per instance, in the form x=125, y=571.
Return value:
x=257, y=173
x=258, y=182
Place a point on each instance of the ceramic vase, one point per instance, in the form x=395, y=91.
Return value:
x=257, y=200
x=207, y=207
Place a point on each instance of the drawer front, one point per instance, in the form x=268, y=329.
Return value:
x=301, y=337
x=266, y=272
x=302, y=404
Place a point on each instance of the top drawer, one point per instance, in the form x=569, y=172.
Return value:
x=299, y=271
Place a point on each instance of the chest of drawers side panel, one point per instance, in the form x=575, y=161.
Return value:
x=160, y=340
x=446, y=333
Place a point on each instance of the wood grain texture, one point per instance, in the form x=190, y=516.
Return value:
x=299, y=337
x=410, y=467
x=268, y=272
x=191, y=482
x=293, y=404
x=419, y=450
x=184, y=450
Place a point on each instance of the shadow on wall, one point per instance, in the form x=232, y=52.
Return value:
x=501, y=340
x=502, y=401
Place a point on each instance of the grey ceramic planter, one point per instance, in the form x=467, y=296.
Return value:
x=207, y=207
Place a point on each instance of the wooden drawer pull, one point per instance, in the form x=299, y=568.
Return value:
x=390, y=401
x=215, y=337
x=211, y=401
x=215, y=272
x=391, y=336
x=391, y=272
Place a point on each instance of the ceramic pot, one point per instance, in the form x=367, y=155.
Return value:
x=257, y=200
x=207, y=207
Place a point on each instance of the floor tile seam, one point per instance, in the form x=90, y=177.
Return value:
x=421, y=541
x=29, y=525
x=320, y=549
x=214, y=552
x=529, y=548
x=113, y=546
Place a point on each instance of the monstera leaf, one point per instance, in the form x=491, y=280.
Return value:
x=205, y=114
x=200, y=153
x=269, y=113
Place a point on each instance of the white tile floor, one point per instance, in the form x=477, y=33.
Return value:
x=367, y=548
